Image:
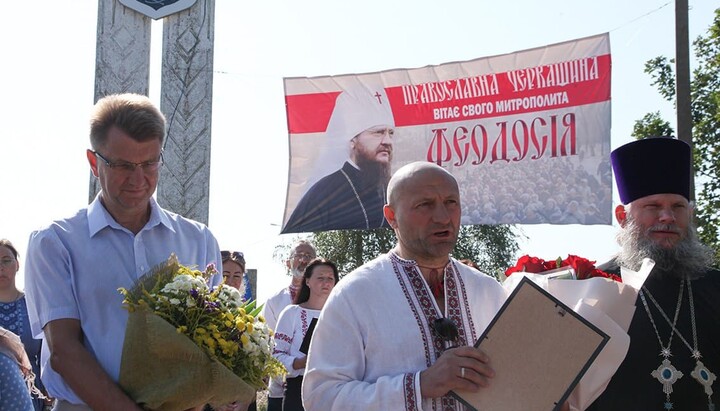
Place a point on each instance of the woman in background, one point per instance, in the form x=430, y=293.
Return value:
x=294, y=322
x=14, y=314
x=233, y=270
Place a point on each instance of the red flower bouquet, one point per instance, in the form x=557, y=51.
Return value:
x=583, y=267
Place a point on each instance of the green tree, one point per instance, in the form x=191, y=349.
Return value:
x=350, y=249
x=652, y=125
x=705, y=102
x=492, y=248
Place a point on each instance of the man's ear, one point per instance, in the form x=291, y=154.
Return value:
x=92, y=159
x=389, y=214
x=621, y=215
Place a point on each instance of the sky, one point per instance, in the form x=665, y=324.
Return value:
x=47, y=84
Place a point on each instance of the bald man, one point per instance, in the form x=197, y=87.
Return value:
x=378, y=342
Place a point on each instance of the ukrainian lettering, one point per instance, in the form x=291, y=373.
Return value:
x=532, y=102
x=439, y=150
x=554, y=75
x=505, y=141
x=451, y=90
x=475, y=143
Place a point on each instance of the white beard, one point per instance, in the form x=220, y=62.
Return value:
x=296, y=273
x=687, y=259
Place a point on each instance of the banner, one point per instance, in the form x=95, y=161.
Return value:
x=526, y=134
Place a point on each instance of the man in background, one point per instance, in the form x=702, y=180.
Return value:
x=300, y=255
x=353, y=196
x=674, y=353
x=76, y=265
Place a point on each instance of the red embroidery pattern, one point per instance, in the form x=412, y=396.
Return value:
x=303, y=322
x=423, y=308
x=282, y=337
x=404, y=270
x=409, y=389
x=455, y=293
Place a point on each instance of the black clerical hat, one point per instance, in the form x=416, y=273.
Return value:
x=656, y=165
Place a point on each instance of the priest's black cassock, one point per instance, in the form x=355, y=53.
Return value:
x=633, y=387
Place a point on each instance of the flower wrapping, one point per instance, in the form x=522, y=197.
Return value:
x=608, y=304
x=186, y=345
x=164, y=370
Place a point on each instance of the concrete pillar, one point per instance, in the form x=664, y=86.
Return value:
x=186, y=101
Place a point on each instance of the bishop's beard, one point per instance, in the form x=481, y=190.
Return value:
x=373, y=172
x=689, y=258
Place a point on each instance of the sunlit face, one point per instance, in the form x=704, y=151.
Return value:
x=125, y=193
x=426, y=216
x=8, y=268
x=321, y=281
x=373, y=145
x=233, y=274
x=300, y=258
x=664, y=218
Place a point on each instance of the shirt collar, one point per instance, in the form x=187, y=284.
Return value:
x=99, y=218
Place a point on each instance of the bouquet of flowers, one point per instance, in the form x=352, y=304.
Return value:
x=187, y=345
x=582, y=267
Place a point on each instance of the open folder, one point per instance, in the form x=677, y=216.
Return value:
x=539, y=349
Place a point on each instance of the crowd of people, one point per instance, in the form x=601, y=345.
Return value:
x=575, y=198
x=398, y=332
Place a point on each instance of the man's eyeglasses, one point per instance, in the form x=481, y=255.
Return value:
x=128, y=167
x=447, y=330
x=234, y=255
x=6, y=262
x=303, y=256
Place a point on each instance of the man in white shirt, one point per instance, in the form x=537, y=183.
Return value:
x=380, y=336
x=76, y=265
x=300, y=255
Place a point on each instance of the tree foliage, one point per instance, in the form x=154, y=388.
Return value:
x=492, y=248
x=350, y=249
x=652, y=125
x=705, y=109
